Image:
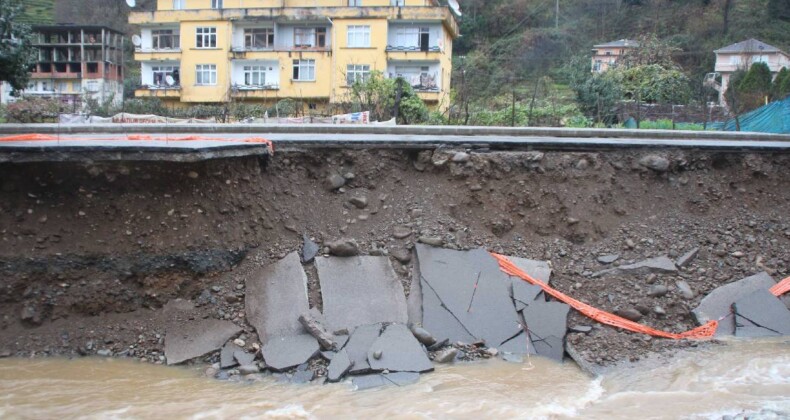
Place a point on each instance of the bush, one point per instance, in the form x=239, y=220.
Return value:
x=33, y=110
x=781, y=85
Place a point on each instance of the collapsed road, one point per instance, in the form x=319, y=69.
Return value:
x=383, y=254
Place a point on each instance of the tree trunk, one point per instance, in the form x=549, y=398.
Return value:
x=726, y=17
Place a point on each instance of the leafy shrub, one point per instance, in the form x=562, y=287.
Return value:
x=33, y=110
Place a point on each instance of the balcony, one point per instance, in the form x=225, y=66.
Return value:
x=55, y=75
x=157, y=91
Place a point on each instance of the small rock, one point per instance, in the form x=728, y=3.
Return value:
x=401, y=232
x=685, y=290
x=423, y=336
x=581, y=328
x=655, y=162
x=659, y=311
x=239, y=342
x=687, y=258
x=192, y=174
x=30, y=315
x=460, y=157
x=446, y=356
x=343, y=247
x=608, y=259
x=359, y=202
x=249, y=369
x=403, y=256
x=512, y=358
x=377, y=354
x=431, y=240
x=104, y=353
x=309, y=249
x=210, y=372
x=657, y=290
x=334, y=181
x=629, y=314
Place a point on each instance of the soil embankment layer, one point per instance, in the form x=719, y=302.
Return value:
x=89, y=254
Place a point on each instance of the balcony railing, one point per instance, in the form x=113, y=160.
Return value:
x=244, y=88
x=423, y=82
x=397, y=48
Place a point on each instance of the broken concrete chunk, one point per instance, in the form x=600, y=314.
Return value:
x=466, y=295
x=339, y=366
x=281, y=353
x=547, y=323
x=400, y=352
x=539, y=270
x=761, y=314
x=249, y=369
x=658, y=265
x=685, y=290
x=378, y=380
x=314, y=323
x=608, y=259
x=275, y=297
x=358, y=345
x=226, y=359
x=718, y=303
x=303, y=374
x=363, y=382
x=243, y=357
x=687, y=258
x=401, y=378
x=524, y=293
x=309, y=249
x=446, y=356
x=184, y=341
x=359, y=291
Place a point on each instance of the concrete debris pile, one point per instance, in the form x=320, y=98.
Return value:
x=745, y=308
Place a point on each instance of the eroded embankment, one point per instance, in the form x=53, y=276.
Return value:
x=89, y=253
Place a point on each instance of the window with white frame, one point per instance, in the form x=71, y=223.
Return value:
x=407, y=36
x=255, y=75
x=309, y=37
x=206, y=37
x=216, y=4
x=735, y=59
x=160, y=74
x=178, y=4
x=304, y=70
x=165, y=39
x=258, y=38
x=206, y=74
x=358, y=36
x=357, y=73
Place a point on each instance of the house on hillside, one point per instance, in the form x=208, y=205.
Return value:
x=606, y=55
x=75, y=63
x=742, y=55
x=261, y=51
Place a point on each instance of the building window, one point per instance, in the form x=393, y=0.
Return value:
x=92, y=86
x=258, y=38
x=255, y=75
x=735, y=59
x=165, y=39
x=357, y=73
x=407, y=36
x=76, y=86
x=206, y=74
x=160, y=74
x=358, y=36
x=206, y=37
x=178, y=4
x=397, y=2
x=216, y=4
x=304, y=70
x=355, y=3
x=309, y=37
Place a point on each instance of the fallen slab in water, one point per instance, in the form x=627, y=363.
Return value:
x=281, y=353
x=358, y=345
x=185, y=341
x=399, y=351
x=761, y=314
x=718, y=303
x=359, y=291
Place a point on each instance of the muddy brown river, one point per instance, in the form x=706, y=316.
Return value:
x=751, y=377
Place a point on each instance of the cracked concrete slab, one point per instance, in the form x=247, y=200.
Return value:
x=360, y=290
x=414, y=300
x=547, y=323
x=275, y=297
x=185, y=341
x=358, y=345
x=540, y=270
x=400, y=351
x=281, y=353
x=761, y=314
x=471, y=288
x=440, y=322
x=243, y=357
x=339, y=366
x=524, y=293
x=377, y=380
x=226, y=359
x=718, y=303
x=517, y=345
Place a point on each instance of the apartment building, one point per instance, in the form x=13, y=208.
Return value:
x=605, y=56
x=215, y=51
x=75, y=62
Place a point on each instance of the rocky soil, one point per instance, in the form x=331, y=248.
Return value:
x=89, y=254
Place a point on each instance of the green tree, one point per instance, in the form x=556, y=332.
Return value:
x=781, y=86
x=779, y=9
x=17, y=53
x=598, y=96
x=755, y=87
x=379, y=95
x=652, y=83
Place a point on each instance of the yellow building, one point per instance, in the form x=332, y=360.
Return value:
x=217, y=51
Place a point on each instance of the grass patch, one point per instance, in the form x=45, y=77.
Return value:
x=38, y=12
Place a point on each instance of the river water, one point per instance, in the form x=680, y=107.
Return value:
x=705, y=383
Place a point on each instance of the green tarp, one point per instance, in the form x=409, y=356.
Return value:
x=771, y=118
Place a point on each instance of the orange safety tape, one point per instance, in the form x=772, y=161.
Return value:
x=703, y=332
x=781, y=288
x=141, y=137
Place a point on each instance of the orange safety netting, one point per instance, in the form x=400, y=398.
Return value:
x=138, y=137
x=705, y=331
x=702, y=332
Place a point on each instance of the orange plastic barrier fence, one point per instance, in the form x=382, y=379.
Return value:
x=140, y=137
x=705, y=331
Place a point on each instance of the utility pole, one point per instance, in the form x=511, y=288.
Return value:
x=557, y=14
